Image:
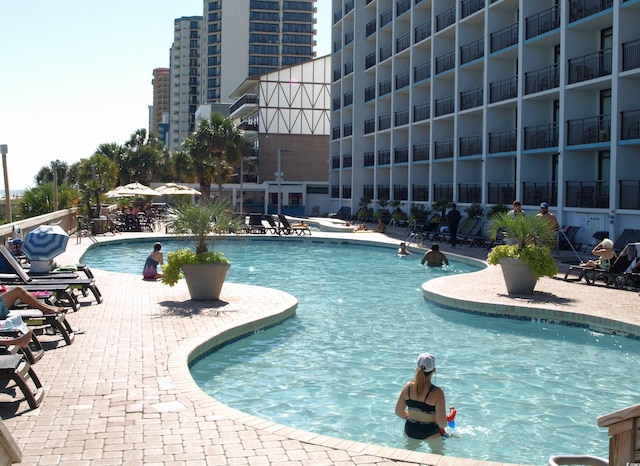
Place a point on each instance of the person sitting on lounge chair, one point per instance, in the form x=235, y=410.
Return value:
x=381, y=226
x=11, y=295
x=604, y=251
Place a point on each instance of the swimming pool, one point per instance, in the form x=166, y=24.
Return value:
x=362, y=319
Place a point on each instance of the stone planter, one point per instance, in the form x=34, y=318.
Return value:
x=518, y=276
x=205, y=280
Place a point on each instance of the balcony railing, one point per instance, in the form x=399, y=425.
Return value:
x=386, y=17
x=400, y=192
x=445, y=19
x=403, y=42
x=589, y=194
x=590, y=66
x=443, y=149
x=445, y=105
x=247, y=99
x=347, y=129
x=542, y=22
x=472, y=51
x=370, y=60
x=470, y=145
x=542, y=79
x=534, y=193
x=384, y=87
x=384, y=122
x=541, y=137
x=422, y=72
x=579, y=9
x=386, y=52
x=384, y=157
x=471, y=98
x=347, y=160
x=501, y=193
x=503, y=90
x=503, y=141
x=421, y=112
x=422, y=32
x=591, y=130
x=369, y=160
x=401, y=155
x=370, y=28
x=383, y=191
x=631, y=55
x=367, y=191
x=629, y=194
x=369, y=126
x=630, y=125
x=347, y=99
x=369, y=93
x=420, y=152
x=504, y=38
x=420, y=192
x=443, y=191
x=402, y=6
x=335, y=133
x=401, y=117
x=403, y=79
x=346, y=191
x=469, y=7
x=469, y=193
x=446, y=62
x=335, y=162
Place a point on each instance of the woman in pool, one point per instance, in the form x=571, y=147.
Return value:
x=421, y=403
x=150, y=271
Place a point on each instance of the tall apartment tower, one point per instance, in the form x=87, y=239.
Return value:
x=245, y=38
x=161, y=93
x=488, y=101
x=184, y=65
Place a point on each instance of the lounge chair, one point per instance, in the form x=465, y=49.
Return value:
x=289, y=229
x=255, y=225
x=273, y=227
x=616, y=276
x=15, y=368
x=27, y=344
x=37, y=318
x=475, y=236
x=566, y=238
x=20, y=277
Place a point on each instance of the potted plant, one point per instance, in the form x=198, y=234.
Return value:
x=204, y=269
x=526, y=256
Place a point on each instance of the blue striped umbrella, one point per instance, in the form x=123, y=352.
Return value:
x=45, y=242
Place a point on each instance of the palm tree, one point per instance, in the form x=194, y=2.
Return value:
x=142, y=153
x=212, y=149
x=96, y=175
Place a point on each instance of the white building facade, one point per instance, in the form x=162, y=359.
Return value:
x=489, y=101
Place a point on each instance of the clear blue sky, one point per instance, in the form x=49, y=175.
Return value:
x=76, y=73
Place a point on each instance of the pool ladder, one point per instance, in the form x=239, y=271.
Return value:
x=577, y=460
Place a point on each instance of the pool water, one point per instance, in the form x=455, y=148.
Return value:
x=524, y=391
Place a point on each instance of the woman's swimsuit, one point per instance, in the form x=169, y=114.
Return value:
x=416, y=429
x=150, y=268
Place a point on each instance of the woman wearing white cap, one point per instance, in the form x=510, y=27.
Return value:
x=421, y=403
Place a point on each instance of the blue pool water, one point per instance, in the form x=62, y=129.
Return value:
x=524, y=391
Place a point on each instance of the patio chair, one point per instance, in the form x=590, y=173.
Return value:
x=21, y=277
x=289, y=228
x=15, y=368
x=27, y=344
x=273, y=227
x=36, y=318
x=255, y=225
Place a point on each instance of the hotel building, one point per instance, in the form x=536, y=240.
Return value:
x=488, y=101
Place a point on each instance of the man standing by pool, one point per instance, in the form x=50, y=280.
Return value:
x=454, y=220
x=544, y=213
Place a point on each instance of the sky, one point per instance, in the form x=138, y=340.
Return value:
x=75, y=74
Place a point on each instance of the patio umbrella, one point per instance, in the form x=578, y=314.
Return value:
x=45, y=242
x=131, y=190
x=170, y=189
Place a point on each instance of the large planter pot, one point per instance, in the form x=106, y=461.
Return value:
x=518, y=276
x=205, y=280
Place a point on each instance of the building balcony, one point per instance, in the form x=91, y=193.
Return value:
x=470, y=145
x=443, y=149
x=400, y=192
x=442, y=191
x=401, y=155
x=587, y=194
x=383, y=191
x=446, y=19
x=472, y=51
x=501, y=193
x=591, y=130
x=469, y=193
x=534, y=193
x=249, y=127
x=503, y=141
x=542, y=79
x=444, y=106
x=541, y=137
x=504, y=38
x=245, y=106
x=469, y=7
x=420, y=152
x=590, y=66
x=629, y=194
x=630, y=125
x=503, y=90
x=542, y=22
x=579, y=9
x=471, y=98
x=420, y=192
x=631, y=55
x=384, y=157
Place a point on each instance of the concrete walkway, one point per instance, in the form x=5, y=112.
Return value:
x=121, y=394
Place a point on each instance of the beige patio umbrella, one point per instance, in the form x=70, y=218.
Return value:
x=170, y=189
x=132, y=190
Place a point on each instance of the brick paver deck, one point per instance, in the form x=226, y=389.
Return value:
x=121, y=394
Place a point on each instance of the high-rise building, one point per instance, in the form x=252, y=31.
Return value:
x=185, y=66
x=244, y=38
x=161, y=93
x=489, y=101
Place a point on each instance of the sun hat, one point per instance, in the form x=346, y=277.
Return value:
x=544, y=205
x=426, y=362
